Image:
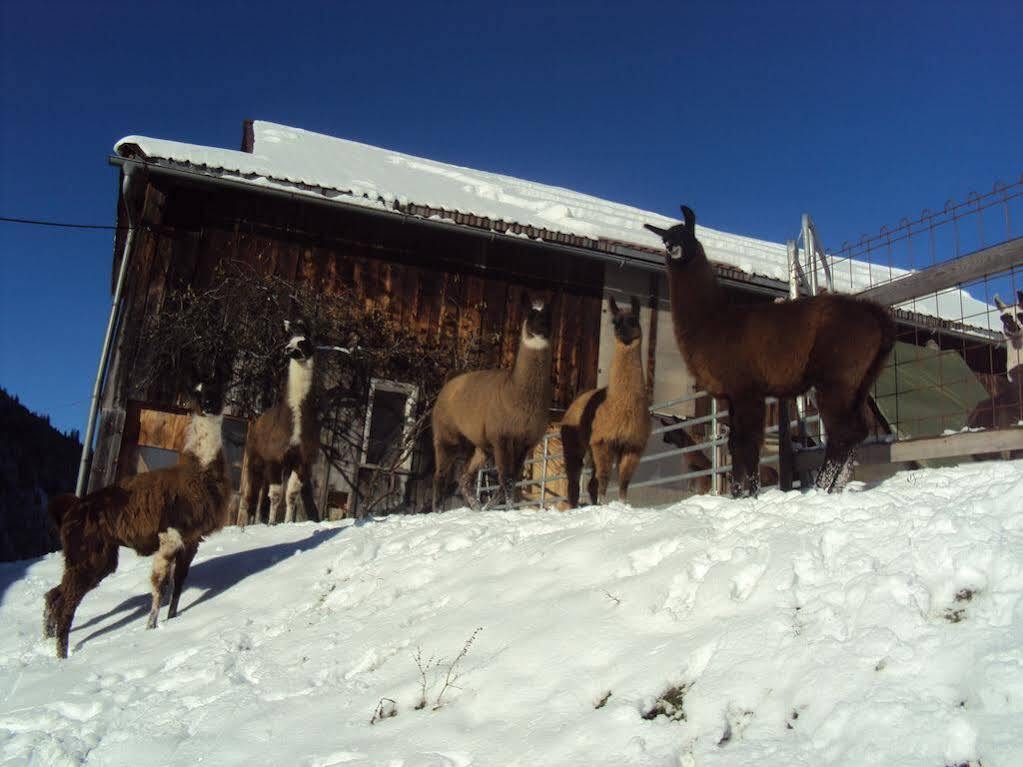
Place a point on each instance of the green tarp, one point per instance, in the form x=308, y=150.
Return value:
x=924, y=392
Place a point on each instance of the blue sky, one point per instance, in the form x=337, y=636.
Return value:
x=859, y=113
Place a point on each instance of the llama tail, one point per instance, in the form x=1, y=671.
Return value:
x=59, y=506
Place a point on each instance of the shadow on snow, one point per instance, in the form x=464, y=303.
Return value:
x=216, y=576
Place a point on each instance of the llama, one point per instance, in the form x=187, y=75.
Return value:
x=1012, y=329
x=1004, y=409
x=498, y=413
x=611, y=423
x=745, y=353
x=165, y=513
x=283, y=441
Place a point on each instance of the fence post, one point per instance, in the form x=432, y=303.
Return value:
x=543, y=471
x=715, y=484
x=784, y=446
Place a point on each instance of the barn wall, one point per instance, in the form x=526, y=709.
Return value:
x=446, y=284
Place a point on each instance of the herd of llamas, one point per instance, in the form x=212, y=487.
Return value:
x=739, y=353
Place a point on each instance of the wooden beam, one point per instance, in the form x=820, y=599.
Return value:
x=972, y=266
x=925, y=448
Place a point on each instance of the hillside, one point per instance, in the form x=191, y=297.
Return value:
x=879, y=627
x=36, y=462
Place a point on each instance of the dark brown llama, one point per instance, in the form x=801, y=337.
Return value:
x=744, y=353
x=495, y=413
x=165, y=512
x=612, y=423
x=283, y=441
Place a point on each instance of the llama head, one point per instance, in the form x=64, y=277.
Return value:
x=680, y=241
x=626, y=323
x=207, y=395
x=536, y=328
x=1012, y=330
x=299, y=346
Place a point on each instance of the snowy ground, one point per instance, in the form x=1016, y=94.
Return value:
x=883, y=626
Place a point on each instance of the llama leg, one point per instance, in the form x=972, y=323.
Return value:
x=573, y=456
x=163, y=565
x=602, y=461
x=744, y=438
x=518, y=472
x=626, y=468
x=78, y=580
x=467, y=480
x=846, y=427
x=51, y=609
x=275, y=492
x=182, y=562
x=256, y=514
x=291, y=493
x=308, y=502
x=504, y=457
x=444, y=458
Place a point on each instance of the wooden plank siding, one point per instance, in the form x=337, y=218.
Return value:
x=448, y=285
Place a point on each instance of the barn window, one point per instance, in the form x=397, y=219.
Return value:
x=388, y=424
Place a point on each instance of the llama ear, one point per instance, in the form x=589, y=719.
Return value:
x=1000, y=304
x=656, y=230
x=1019, y=298
x=635, y=306
x=690, y=218
x=613, y=306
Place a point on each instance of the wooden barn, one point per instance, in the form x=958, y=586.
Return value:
x=446, y=249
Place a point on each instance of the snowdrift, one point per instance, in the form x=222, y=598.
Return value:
x=882, y=626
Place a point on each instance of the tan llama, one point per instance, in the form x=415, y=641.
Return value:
x=611, y=423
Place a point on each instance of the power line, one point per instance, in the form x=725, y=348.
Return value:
x=61, y=224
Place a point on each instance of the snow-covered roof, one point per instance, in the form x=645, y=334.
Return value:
x=304, y=162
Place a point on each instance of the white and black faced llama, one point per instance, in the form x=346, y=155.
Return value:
x=496, y=413
x=282, y=443
x=744, y=353
x=165, y=513
x=1012, y=330
x=1004, y=409
x=612, y=424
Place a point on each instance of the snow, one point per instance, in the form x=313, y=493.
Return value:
x=879, y=627
x=309, y=163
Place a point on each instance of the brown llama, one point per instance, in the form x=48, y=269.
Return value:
x=165, y=512
x=283, y=441
x=744, y=353
x=495, y=413
x=612, y=423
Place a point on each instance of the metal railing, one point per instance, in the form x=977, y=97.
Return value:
x=715, y=441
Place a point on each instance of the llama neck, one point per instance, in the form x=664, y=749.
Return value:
x=626, y=378
x=300, y=385
x=203, y=438
x=532, y=372
x=695, y=293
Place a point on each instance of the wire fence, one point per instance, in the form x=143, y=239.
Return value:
x=943, y=274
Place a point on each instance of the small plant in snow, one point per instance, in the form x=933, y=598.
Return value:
x=385, y=709
x=430, y=671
